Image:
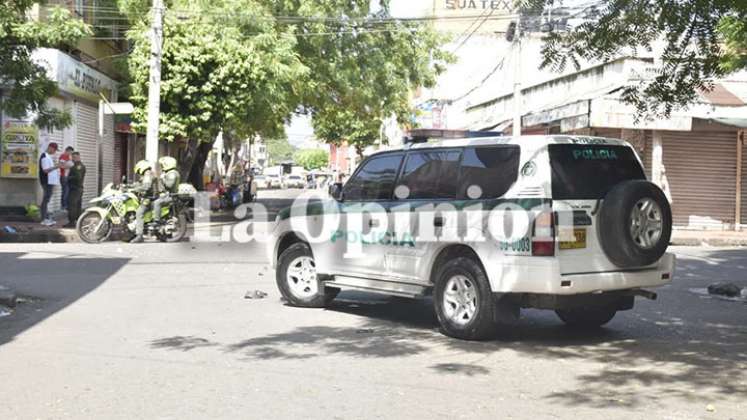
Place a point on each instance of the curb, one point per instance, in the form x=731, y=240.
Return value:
x=714, y=242
x=57, y=236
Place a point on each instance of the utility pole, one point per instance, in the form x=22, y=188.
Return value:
x=154, y=85
x=517, y=80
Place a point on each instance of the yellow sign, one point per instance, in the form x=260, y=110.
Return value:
x=18, y=151
x=579, y=241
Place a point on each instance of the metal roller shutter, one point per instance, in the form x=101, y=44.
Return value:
x=86, y=143
x=743, y=207
x=701, y=170
x=613, y=133
x=107, y=151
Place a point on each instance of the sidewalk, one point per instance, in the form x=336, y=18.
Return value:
x=709, y=238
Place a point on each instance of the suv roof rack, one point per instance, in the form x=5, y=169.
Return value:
x=422, y=135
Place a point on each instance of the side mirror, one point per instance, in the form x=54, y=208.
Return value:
x=335, y=191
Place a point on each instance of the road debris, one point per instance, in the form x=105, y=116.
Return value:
x=725, y=289
x=255, y=294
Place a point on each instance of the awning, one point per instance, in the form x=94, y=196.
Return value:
x=734, y=122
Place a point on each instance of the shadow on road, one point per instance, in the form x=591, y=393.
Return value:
x=45, y=280
x=684, y=346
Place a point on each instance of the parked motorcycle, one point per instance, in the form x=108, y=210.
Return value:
x=116, y=207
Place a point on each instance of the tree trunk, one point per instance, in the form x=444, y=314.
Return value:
x=198, y=164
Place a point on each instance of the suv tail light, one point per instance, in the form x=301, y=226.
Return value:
x=543, y=235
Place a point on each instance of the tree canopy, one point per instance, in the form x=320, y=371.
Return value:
x=701, y=39
x=25, y=84
x=311, y=158
x=279, y=150
x=245, y=66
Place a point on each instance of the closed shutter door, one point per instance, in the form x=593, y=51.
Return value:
x=107, y=151
x=744, y=179
x=612, y=133
x=648, y=147
x=701, y=170
x=55, y=136
x=85, y=142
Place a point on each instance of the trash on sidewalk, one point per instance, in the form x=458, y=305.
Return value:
x=4, y=311
x=255, y=294
x=9, y=229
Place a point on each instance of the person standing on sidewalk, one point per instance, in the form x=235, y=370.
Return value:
x=49, y=176
x=75, y=180
x=66, y=163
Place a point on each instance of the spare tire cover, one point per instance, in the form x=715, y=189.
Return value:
x=635, y=224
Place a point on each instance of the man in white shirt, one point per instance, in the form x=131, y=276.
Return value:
x=49, y=176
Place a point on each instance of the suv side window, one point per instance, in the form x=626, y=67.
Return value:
x=431, y=174
x=374, y=180
x=493, y=169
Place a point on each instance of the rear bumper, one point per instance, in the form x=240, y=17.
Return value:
x=542, y=275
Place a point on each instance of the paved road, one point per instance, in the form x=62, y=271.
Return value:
x=157, y=330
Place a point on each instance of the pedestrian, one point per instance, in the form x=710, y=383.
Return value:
x=49, y=177
x=75, y=180
x=67, y=163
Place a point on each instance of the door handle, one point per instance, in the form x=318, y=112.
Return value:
x=373, y=223
x=438, y=221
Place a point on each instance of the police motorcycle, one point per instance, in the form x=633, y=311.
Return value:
x=116, y=207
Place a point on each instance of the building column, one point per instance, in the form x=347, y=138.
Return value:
x=657, y=158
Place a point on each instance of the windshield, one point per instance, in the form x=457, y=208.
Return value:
x=588, y=172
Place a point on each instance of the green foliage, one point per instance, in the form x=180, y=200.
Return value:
x=26, y=86
x=311, y=158
x=362, y=69
x=692, y=56
x=279, y=150
x=734, y=32
x=238, y=78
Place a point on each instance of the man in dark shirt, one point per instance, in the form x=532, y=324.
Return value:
x=75, y=178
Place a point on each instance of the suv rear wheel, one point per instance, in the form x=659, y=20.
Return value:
x=297, y=279
x=587, y=317
x=463, y=300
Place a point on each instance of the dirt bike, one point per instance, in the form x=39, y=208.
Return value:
x=116, y=207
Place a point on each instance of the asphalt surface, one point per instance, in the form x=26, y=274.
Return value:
x=164, y=331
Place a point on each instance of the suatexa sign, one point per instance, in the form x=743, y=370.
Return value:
x=477, y=4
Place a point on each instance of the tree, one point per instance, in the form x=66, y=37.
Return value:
x=25, y=84
x=237, y=78
x=702, y=40
x=363, y=65
x=311, y=159
x=279, y=150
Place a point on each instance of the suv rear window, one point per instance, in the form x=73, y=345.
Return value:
x=588, y=172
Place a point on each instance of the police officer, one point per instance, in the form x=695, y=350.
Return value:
x=75, y=179
x=145, y=188
x=169, y=180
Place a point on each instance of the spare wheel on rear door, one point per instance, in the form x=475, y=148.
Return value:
x=635, y=224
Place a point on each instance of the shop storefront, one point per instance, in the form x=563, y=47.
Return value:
x=81, y=88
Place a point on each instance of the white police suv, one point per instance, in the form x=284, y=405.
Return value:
x=486, y=226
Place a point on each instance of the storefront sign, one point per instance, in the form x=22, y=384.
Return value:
x=75, y=77
x=18, y=150
x=478, y=4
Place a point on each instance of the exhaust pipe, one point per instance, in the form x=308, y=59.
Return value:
x=643, y=293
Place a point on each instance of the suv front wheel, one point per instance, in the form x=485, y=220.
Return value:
x=463, y=300
x=297, y=279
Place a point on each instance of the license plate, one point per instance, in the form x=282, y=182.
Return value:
x=578, y=242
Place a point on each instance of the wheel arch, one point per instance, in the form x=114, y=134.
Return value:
x=285, y=241
x=449, y=252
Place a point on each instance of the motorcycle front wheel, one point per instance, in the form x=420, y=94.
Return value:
x=91, y=229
